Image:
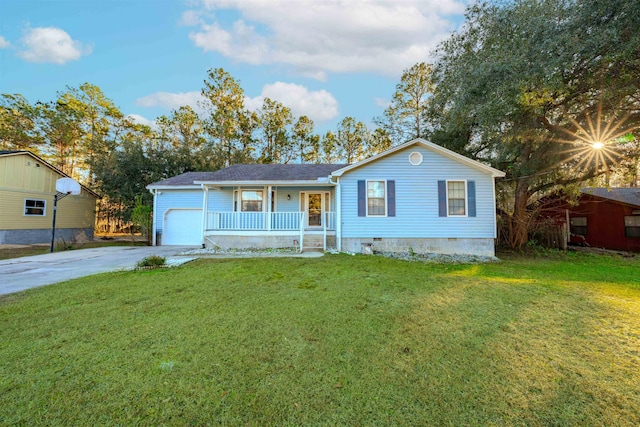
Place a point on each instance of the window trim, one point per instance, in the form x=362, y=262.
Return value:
x=419, y=156
x=237, y=199
x=44, y=208
x=572, y=227
x=466, y=198
x=385, y=198
x=630, y=226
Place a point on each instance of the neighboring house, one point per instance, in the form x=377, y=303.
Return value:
x=605, y=218
x=414, y=197
x=27, y=188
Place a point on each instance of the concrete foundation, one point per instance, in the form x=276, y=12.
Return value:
x=480, y=247
x=30, y=237
x=256, y=242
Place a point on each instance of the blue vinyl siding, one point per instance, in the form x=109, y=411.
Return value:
x=176, y=199
x=416, y=194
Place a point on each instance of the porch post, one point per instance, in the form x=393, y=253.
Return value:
x=338, y=215
x=268, y=207
x=205, y=209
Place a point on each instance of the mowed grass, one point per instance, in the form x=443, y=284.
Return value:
x=337, y=340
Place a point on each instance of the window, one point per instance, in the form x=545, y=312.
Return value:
x=251, y=201
x=415, y=158
x=376, y=205
x=34, y=207
x=578, y=225
x=456, y=198
x=632, y=226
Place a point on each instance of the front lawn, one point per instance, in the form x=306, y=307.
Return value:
x=337, y=340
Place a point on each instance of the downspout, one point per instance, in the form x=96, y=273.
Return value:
x=205, y=209
x=155, y=206
x=338, y=213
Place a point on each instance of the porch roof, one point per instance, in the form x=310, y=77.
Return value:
x=270, y=173
x=253, y=174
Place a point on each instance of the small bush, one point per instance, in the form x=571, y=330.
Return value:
x=152, y=261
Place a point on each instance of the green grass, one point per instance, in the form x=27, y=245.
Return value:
x=338, y=340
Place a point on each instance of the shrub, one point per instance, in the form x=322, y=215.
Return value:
x=152, y=261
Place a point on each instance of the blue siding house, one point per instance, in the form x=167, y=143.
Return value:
x=417, y=196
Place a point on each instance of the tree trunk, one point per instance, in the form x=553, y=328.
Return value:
x=521, y=218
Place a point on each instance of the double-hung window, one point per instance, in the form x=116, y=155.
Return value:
x=376, y=198
x=33, y=207
x=251, y=201
x=456, y=198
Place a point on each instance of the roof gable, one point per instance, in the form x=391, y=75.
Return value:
x=7, y=153
x=431, y=147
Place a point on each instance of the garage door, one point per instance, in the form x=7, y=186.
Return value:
x=182, y=227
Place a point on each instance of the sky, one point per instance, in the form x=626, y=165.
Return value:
x=326, y=59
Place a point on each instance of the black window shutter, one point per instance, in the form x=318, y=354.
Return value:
x=442, y=198
x=391, y=198
x=362, y=198
x=471, y=189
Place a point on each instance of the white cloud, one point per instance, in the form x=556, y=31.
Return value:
x=171, y=101
x=137, y=118
x=318, y=105
x=51, y=44
x=320, y=37
x=4, y=43
x=381, y=102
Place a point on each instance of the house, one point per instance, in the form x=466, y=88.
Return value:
x=417, y=196
x=27, y=189
x=606, y=218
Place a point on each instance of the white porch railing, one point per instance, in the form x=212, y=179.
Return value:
x=263, y=221
x=269, y=222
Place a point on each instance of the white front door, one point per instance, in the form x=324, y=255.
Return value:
x=314, y=209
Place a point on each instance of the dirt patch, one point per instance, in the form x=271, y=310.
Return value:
x=36, y=245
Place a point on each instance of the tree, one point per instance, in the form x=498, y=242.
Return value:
x=529, y=86
x=183, y=134
x=19, y=124
x=329, y=153
x=351, y=140
x=61, y=127
x=404, y=119
x=224, y=103
x=274, y=119
x=99, y=118
x=306, y=143
x=379, y=141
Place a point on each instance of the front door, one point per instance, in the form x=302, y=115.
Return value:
x=314, y=210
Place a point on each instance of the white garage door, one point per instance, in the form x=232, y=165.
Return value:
x=182, y=227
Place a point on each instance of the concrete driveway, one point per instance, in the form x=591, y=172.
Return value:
x=18, y=274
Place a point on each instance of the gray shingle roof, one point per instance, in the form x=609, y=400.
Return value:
x=4, y=152
x=630, y=196
x=256, y=172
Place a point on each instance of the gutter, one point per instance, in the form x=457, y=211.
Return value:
x=153, y=230
x=338, y=211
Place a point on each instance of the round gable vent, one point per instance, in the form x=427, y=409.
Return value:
x=415, y=158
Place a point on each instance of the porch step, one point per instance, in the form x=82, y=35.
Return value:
x=313, y=243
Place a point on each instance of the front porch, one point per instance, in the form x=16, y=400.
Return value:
x=264, y=230
x=270, y=216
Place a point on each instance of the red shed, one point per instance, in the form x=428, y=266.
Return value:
x=607, y=218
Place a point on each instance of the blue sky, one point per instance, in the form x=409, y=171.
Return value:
x=324, y=59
